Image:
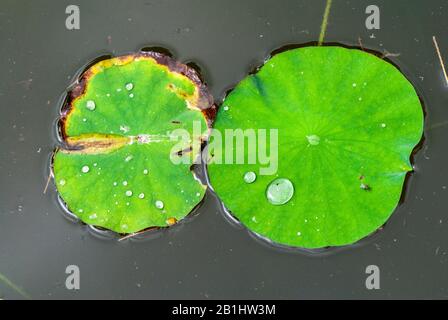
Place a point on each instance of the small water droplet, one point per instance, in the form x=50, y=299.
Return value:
x=85, y=169
x=128, y=193
x=90, y=104
x=129, y=86
x=131, y=95
x=299, y=233
x=128, y=158
x=280, y=191
x=354, y=84
x=62, y=182
x=159, y=204
x=383, y=125
x=93, y=216
x=141, y=195
x=226, y=108
x=145, y=171
x=125, y=183
x=125, y=129
x=249, y=177
x=115, y=184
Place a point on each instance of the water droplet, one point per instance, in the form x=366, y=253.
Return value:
x=85, y=169
x=299, y=233
x=383, y=125
x=93, y=216
x=249, y=177
x=226, y=108
x=125, y=129
x=141, y=195
x=128, y=158
x=313, y=139
x=131, y=95
x=159, y=204
x=90, y=104
x=354, y=84
x=115, y=184
x=145, y=171
x=125, y=183
x=84, y=120
x=197, y=194
x=62, y=182
x=129, y=86
x=128, y=193
x=280, y=191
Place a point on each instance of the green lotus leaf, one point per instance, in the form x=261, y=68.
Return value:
x=124, y=164
x=346, y=122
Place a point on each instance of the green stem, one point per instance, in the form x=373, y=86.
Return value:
x=323, y=27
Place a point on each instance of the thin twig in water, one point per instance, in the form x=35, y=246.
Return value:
x=360, y=43
x=50, y=175
x=390, y=54
x=442, y=64
x=438, y=125
x=13, y=286
x=132, y=235
x=323, y=27
x=128, y=236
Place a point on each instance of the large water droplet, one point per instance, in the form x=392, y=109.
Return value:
x=280, y=191
x=313, y=140
x=85, y=169
x=249, y=177
x=129, y=86
x=159, y=204
x=90, y=104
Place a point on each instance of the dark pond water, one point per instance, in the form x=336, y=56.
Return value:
x=208, y=257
